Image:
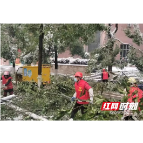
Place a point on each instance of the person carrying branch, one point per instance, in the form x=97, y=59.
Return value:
x=7, y=83
x=134, y=92
x=83, y=94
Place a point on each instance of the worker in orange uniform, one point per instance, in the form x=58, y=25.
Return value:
x=105, y=75
x=83, y=92
x=7, y=83
x=134, y=92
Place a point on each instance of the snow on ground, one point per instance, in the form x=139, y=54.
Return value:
x=128, y=71
x=8, y=68
x=20, y=117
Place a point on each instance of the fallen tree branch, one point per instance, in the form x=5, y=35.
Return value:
x=69, y=98
x=114, y=31
x=34, y=116
x=7, y=97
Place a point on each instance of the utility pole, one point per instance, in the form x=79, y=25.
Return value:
x=41, y=37
x=56, y=61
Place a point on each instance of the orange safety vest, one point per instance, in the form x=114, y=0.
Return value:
x=105, y=75
x=4, y=81
x=81, y=92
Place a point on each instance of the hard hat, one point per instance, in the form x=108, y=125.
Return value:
x=132, y=80
x=78, y=74
x=6, y=73
x=103, y=70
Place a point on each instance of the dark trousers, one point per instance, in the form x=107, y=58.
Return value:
x=105, y=80
x=6, y=91
x=128, y=118
x=78, y=107
x=102, y=88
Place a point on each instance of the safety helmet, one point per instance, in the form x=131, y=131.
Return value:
x=78, y=74
x=6, y=73
x=103, y=70
x=132, y=80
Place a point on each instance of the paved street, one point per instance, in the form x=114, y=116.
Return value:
x=7, y=68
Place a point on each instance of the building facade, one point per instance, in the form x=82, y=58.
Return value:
x=4, y=62
x=120, y=34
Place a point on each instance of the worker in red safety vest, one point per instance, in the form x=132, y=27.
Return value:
x=83, y=92
x=134, y=92
x=7, y=83
x=105, y=75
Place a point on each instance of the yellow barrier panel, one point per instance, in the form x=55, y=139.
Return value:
x=30, y=73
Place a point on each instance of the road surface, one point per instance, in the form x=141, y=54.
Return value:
x=8, y=68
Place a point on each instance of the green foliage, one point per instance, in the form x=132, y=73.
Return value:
x=7, y=113
x=141, y=104
x=134, y=35
x=50, y=100
x=76, y=48
x=135, y=57
x=47, y=100
x=27, y=87
x=62, y=85
x=106, y=56
x=124, y=99
x=26, y=38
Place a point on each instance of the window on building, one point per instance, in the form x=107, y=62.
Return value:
x=124, y=50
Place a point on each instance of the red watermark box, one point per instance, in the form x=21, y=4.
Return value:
x=110, y=106
x=114, y=106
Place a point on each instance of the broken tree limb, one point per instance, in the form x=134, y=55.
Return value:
x=69, y=98
x=8, y=97
x=34, y=116
x=114, y=31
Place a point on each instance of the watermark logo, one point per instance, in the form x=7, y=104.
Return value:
x=109, y=106
x=115, y=106
x=129, y=106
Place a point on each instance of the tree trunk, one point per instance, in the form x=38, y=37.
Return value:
x=13, y=64
x=110, y=68
x=44, y=57
x=56, y=62
x=41, y=36
x=111, y=37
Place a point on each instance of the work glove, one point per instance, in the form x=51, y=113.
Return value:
x=91, y=95
x=73, y=99
x=4, y=87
